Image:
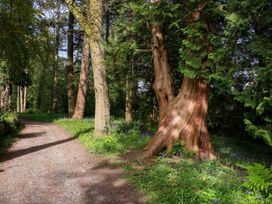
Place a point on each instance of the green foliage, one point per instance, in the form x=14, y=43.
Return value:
x=259, y=180
x=43, y=117
x=188, y=182
x=119, y=141
x=9, y=126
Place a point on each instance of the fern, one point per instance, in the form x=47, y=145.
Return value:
x=259, y=180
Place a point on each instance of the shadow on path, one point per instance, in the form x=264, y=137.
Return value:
x=15, y=154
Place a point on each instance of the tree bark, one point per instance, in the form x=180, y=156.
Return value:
x=83, y=80
x=18, y=99
x=182, y=118
x=69, y=67
x=21, y=99
x=129, y=95
x=163, y=83
x=54, y=99
x=102, y=105
x=25, y=98
x=92, y=26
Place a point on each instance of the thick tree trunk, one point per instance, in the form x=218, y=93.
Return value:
x=94, y=29
x=163, y=83
x=69, y=67
x=83, y=80
x=102, y=105
x=183, y=119
x=54, y=98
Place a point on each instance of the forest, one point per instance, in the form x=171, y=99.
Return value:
x=177, y=94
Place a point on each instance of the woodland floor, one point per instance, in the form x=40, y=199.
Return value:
x=46, y=165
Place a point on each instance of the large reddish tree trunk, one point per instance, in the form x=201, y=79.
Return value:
x=163, y=83
x=83, y=80
x=182, y=118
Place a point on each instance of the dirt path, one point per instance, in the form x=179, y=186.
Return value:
x=47, y=166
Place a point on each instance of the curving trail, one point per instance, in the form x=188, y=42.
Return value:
x=47, y=166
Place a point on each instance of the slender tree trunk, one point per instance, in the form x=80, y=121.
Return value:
x=102, y=105
x=1, y=97
x=129, y=94
x=18, y=99
x=83, y=80
x=10, y=97
x=54, y=99
x=25, y=98
x=182, y=118
x=21, y=99
x=69, y=67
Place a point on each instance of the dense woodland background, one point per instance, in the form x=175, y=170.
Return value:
x=148, y=62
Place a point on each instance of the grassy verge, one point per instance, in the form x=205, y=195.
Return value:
x=177, y=177
x=119, y=141
x=43, y=117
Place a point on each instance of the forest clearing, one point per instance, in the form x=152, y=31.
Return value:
x=135, y=101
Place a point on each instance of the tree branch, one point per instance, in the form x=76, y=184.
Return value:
x=78, y=14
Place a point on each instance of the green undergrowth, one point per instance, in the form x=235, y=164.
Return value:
x=9, y=127
x=43, y=117
x=121, y=138
x=183, y=179
x=177, y=177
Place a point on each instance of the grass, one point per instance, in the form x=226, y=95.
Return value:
x=117, y=142
x=171, y=179
x=43, y=117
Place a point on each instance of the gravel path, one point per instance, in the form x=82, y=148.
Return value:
x=47, y=166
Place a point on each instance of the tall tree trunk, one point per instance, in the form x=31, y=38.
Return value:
x=1, y=97
x=54, y=98
x=94, y=29
x=21, y=99
x=18, y=99
x=83, y=80
x=163, y=83
x=10, y=97
x=102, y=105
x=129, y=95
x=69, y=67
x=182, y=118
x=25, y=98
